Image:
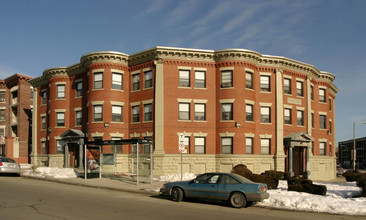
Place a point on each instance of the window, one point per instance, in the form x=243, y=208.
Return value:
x=248, y=80
x=227, y=111
x=265, y=145
x=187, y=141
x=136, y=113
x=300, y=117
x=299, y=88
x=265, y=114
x=200, y=145
x=43, y=122
x=265, y=83
x=2, y=114
x=249, y=145
x=249, y=112
x=226, y=78
x=147, y=146
x=200, y=79
x=321, y=95
x=184, y=78
x=312, y=120
x=117, y=148
x=323, y=121
x=98, y=80
x=79, y=88
x=116, y=113
x=43, y=146
x=2, y=96
x=2, y=132
x=117, y=82
x=287, y=86
x=200, y=112
x=135, y=82
x=148, y=112
x=288, y=118
x=322, y=146
x=60, y=91
x=312, y=92
x=59, y=147
x=330, y=127
x=60, y=119
x=184, y=113
x=330, y=104
x=79, y=116
x=227, y=145
x=148, y=79
x=44, y=97
x=98, y=112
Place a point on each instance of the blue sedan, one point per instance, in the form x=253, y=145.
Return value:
x=234, y=188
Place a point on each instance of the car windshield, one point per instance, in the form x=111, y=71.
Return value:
x=6, y=160
x=242, y=178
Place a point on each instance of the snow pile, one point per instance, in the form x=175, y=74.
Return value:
x=44, y=172
x=177, y=177
x=337, y=201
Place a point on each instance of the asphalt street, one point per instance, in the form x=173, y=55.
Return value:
x=22, y=198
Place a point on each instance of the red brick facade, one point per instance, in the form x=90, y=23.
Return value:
x=166, y=94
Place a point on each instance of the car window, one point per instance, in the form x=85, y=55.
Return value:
x=225, y=179
x=8, y=160
x=207, y=178
x=213, y=179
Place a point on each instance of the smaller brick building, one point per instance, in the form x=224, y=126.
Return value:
x=345, y=153
x=16, y=101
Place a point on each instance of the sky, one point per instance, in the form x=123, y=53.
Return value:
x=329, y=34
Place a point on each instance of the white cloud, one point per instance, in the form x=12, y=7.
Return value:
x=180, y=13
x=6, y=71
x=154, y=7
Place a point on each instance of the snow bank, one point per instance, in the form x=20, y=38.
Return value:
x=55, y=172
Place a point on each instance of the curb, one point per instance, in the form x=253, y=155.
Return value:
x=61, y=181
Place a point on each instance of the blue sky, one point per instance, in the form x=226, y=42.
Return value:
x=329, y=34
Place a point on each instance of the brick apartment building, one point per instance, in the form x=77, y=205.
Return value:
x=232, y=106
x=15, y=117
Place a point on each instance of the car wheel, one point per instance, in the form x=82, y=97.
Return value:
x=177, y=194
x=238, y=200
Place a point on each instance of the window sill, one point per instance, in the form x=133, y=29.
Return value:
x=226, y=120
x=180, y=120
x=59, y=126
x=135, y=123
x=78, y=97
x=200, y=88
x=226, y=88
x=288, y=124
x=101, y=89
x=61, y=99
x=266, y=123
x=300, y=96
x=147, y=88
x=250, y=122
x=301, y=126
x=265, y=91
x=78, y=126
x=119, y=90
x=136, y=90
x=180, y=87
x=96, y=122
x=250, y=89
x=200, y=121
x=147, y=121
x=117, y=122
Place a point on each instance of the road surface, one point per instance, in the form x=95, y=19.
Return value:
x=22, y=198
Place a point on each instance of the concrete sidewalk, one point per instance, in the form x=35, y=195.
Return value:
x=122, y=183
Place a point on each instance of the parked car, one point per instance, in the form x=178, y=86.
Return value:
x=8, y=165
x=340, y=170
x=234, y=188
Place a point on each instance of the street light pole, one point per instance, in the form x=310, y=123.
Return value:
x=354, y=145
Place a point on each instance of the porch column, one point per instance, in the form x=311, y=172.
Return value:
x=307, y=162
x=290, y=160
x=81, y=153
x=66, y=156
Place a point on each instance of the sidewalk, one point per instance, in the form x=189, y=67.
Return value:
x=118, y=183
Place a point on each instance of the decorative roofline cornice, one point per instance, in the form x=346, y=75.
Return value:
x=104, y=56
x=194, y=55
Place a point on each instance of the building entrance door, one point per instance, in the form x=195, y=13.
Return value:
x=298, y=160
x=73, y=155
